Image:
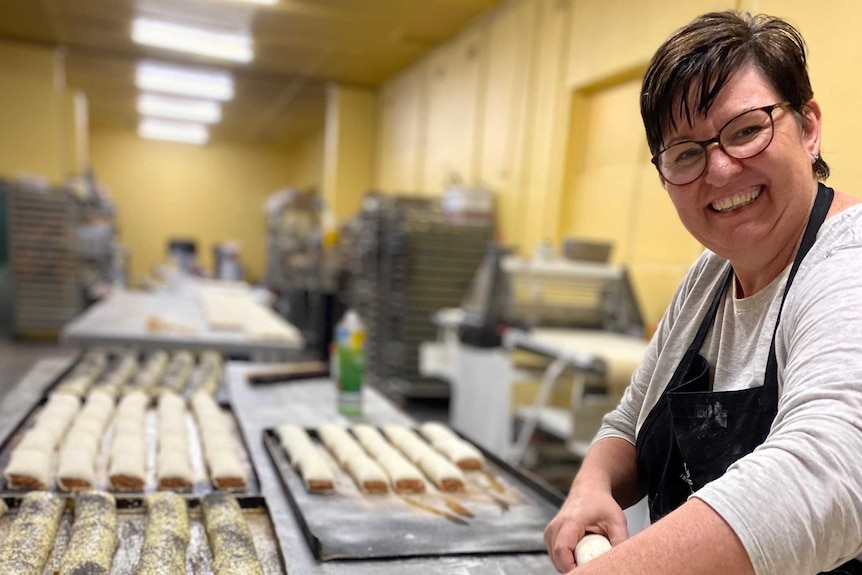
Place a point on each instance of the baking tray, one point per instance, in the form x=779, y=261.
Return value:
x=202, y=484
x=508, y=512
x=131, y=524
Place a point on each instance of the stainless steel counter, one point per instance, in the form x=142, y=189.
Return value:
x=308, y=404
x=124, y=319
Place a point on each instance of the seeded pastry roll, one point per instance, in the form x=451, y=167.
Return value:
x=94, y=536
x=28, y=544
x=229, y=536
x=166, y=536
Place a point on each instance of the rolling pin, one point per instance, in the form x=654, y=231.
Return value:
x=590, y=547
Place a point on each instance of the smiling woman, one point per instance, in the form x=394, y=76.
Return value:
x=735, y=135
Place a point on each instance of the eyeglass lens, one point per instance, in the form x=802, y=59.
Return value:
x=743, y=137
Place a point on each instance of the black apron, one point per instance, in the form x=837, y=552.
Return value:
x=693, y=434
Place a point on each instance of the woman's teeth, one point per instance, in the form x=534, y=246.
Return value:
x=736, y=201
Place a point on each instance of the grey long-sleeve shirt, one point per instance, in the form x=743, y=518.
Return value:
x=796, y=501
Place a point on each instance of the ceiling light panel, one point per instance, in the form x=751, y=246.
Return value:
x=204, y=111
x=187, y=133
x=196, y=83
x=170, y=36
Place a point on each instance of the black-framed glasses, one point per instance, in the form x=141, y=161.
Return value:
x=742, y=137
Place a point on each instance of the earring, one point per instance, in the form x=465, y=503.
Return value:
x=815, y=156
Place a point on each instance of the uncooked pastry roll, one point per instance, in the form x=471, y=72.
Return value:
x=94, y=536
x=410, y=444
x=166, y=536
x=226, y=470
x=29, y=469
x=30, y=538
x=403, y=475
x=229, y=536
x=76, y=468
x=372, y=441
x=128, y=469
x=442, y=472
x=294, y=439
x=314, y=469
x=174, y=469
x=436, y=431
x=367, y=474
x=340, y=443
x=38, y=439
x=460, y=453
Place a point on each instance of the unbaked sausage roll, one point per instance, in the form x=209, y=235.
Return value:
x=29, y=468
x=166, y=536
x=174, y=468
x=405, y=439
x=229, y=536
x=146, y=380
x=314, y=469
x=371, y=440
x=460, y=453
x=177, y=373
x=340, y=443
x=436, y=431
x=306, y=458
x=442, y=472
x=128, y=457
x=28, y=544
x=367, y=474
x=403, y=475
x=94, y=536
x=294, y=439
x=219, y=445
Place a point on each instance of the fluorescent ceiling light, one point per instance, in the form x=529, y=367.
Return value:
x=263, y=2
x=204, y=111
x=210, y=84
x=174, y=131
x=234, y=47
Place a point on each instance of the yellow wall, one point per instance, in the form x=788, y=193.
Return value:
x=212, y=194
x=538, y=101
x=33, y=112
x=348, y=145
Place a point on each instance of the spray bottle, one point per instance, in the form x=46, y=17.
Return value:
x=349, y=342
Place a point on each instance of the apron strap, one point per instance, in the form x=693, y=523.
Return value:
x=818, y=215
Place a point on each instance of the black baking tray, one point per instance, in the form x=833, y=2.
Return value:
x=202, y=485
x=508, y=514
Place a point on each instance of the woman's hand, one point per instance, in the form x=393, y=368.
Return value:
x=586, y=510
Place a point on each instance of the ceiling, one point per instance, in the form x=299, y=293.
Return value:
x=299, y=45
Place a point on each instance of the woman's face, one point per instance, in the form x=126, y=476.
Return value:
x=760, y=203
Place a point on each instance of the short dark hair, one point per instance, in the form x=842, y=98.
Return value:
x=697, y=60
